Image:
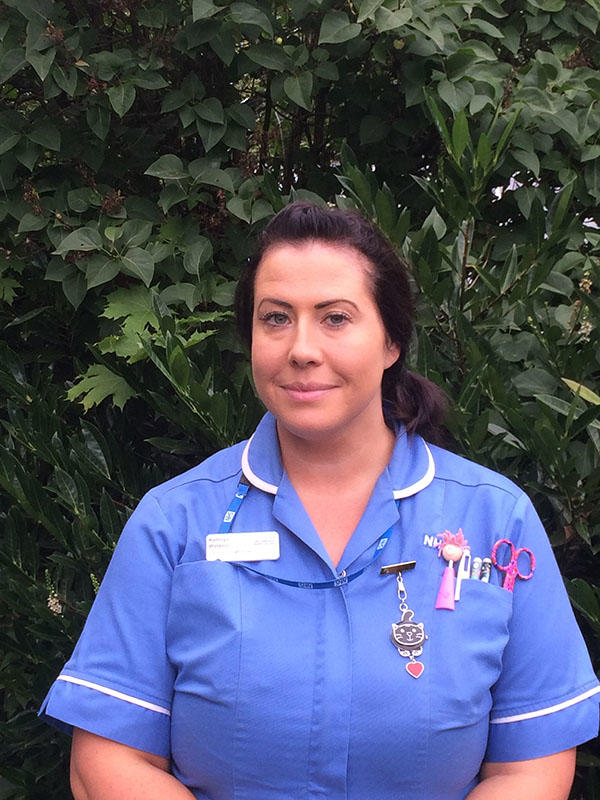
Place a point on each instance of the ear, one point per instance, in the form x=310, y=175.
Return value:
x=392, y=353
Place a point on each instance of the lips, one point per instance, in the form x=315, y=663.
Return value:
x=307, y=391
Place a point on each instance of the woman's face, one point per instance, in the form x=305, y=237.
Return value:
x=319, y=347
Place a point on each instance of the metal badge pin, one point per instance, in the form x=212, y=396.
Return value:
x=407, y=636
x=403, y=566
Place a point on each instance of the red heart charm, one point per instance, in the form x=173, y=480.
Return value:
x=415, y=668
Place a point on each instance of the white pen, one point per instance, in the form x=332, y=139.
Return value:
x=463, y=572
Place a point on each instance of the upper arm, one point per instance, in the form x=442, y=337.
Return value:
x=97, y=762
x=550, y=777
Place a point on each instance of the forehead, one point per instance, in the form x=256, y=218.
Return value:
x=314, y=264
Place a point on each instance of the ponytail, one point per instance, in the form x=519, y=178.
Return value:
x=418, y=403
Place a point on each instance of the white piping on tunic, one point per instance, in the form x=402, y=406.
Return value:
x=398, y=493
x=542, y=712
x=254, y=479
x=420, y=484
x=113, y=693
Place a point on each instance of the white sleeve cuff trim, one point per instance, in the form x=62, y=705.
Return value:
x=113, y=693
x=542, y=712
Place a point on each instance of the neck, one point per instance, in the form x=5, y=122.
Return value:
x=342, y=459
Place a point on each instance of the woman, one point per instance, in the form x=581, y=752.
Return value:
x=244, y=643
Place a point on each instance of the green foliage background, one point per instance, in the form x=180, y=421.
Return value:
x=142, y=145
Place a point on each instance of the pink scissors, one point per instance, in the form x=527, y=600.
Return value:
x=512, y=569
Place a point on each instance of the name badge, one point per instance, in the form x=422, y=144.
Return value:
x=247, y=546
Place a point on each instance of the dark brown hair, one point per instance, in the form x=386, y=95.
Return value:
x=412, y=399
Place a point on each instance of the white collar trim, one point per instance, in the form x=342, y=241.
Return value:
x=420, y=484
x=398, y=493
x=251, y=476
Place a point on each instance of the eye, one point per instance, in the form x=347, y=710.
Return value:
x=274, y=318
x=336, y=319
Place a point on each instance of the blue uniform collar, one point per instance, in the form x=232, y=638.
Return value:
x=411, y=467
x=410, y=470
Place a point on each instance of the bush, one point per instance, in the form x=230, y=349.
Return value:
x=143, y=144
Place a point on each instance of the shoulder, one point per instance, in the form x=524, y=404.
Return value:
x=222, y=467
x=462, y=472
x=189, y=505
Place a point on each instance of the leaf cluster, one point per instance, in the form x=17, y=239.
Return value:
x=143, y=144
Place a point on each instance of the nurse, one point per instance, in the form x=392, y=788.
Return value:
x=246, y=643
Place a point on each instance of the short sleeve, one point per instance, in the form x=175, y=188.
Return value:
x=119, y=682
x=546, y=699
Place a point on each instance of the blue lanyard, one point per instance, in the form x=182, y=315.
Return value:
x=341, y=580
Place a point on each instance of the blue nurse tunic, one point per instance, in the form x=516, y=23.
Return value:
x=256, y=689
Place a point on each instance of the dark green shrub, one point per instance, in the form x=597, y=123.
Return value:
x=142, y=144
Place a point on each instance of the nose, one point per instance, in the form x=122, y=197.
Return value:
x=304, y=346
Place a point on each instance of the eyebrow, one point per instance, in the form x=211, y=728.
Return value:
x=324, y=304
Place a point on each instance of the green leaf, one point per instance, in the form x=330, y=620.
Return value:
x=549, y=5
x=243, y=114
x=240, y=208
x=98, y=383
x=7, y=290
x=46, y=134
x=484, y=151
x=203, y=9
x=211, y=176
x=140, y=263
x=169, y=167
x=590, y=152
x=367, y=9
x=149, y=80
x=582, y=391
x=327, y=70
x=210, y=133
x=79, y=200
x=447, y=91
x=224, y=293
x=386, y=20
x=132, y=304
x=8, y=142
x=121, y=97
x=460, y=136
x=99, y=269
x=269, y=56
x=337, y=28
x=179, y=366
x=41, y=62
x=246, y=14
x=11, y=62
x=65, y=78
x=210, y=110
x=135, y=232
x=440, y=122
x=98, y=119
x=197, y=255
x=299, y=89
x=74, y=287
x=32, y=222
x=529, y=160
x=81, y=239
x=534, y=381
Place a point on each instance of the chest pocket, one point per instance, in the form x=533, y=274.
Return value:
x=467, y=646
x=204, y=629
